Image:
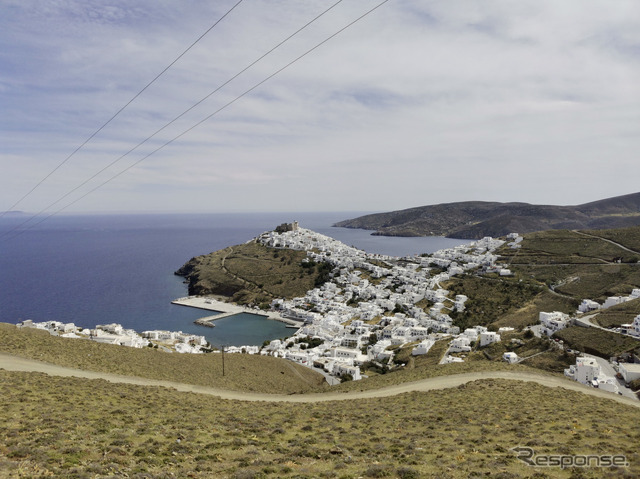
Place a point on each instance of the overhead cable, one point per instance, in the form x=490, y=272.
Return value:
x=208, y=117
x=48, y=175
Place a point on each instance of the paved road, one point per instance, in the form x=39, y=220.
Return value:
x=14, y=363
x=585, y=321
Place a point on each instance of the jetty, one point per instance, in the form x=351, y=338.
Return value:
x=227, y=309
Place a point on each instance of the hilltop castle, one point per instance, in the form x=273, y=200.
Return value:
x=284, y=227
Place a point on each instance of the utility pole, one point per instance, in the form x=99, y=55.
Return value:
x=223, y=360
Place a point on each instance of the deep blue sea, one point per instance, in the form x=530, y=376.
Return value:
x=119, y=268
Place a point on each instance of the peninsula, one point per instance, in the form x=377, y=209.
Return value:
x=477, y=219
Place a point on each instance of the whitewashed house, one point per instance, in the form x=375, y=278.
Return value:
x=340, y=368
x=510, y=357
x=452, y=359
x=588, y=371
x=459, y=302
x=633, y=328
x=552, y=322
x=488, y=338
x=423, y=347
x=461, y=344
x=588, y=305
x=585, y=371
x=629, y=371
x=615, y=300
x=350, y=355
x=302, y=357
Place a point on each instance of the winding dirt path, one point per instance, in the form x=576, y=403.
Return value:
x=14, y=363
x=607, y=240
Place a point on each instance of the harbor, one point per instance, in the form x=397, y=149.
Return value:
x=226, y=310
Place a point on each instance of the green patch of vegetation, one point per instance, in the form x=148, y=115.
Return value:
x=563, y=246
x=552, y=360
x=578, y=264
x=597, y=341
x=380, y=263
x=403, y=354
x=309, y=342
x=529, y=313
x=628, y=237
x=490, y=299
x=533, y=352
x=595, y=282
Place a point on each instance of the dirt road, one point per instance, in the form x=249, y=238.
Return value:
x=14, y=363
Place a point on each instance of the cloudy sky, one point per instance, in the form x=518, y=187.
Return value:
x=420, y=102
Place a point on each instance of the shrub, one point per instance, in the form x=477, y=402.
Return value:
x=407, y=473
x=378, y=470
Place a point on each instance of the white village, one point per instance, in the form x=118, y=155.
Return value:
x=372, y=305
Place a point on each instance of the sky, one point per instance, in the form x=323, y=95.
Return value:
x=417, y=103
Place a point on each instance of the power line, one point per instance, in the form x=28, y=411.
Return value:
x=208, y=117
x=176, y=118
x=120, y=110
x=28, y=220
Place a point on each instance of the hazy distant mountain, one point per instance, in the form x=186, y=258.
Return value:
x=12, y=213
x=476, y=219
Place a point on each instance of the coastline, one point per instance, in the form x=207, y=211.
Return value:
x=210, y=303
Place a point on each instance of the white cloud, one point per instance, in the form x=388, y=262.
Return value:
x=416, y=104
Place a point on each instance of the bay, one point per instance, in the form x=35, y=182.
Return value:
x=119, y=268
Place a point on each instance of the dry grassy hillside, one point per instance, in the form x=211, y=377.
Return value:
x=243, y=372
x=67, y=427
x=253, y=273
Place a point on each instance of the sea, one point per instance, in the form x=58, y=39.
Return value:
x=108, y=268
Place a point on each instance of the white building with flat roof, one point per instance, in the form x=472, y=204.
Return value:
x=632, y=329
x=553, y=322
x=584, y=371
x=510, y=357
x=629, y=371
x=488, y=338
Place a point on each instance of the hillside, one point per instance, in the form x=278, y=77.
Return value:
x=252, y=273
x=476, y=219
x=580, y=264
x=72, y=427
x=243, y=372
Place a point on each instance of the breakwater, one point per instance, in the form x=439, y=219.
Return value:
x=227, y=309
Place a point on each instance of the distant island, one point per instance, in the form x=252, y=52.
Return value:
x=477, y=219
